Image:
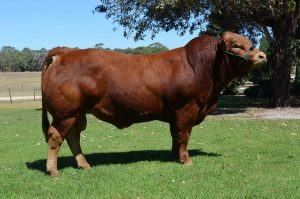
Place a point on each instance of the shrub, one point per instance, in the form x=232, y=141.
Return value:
x=261, y=89
x=295, y=90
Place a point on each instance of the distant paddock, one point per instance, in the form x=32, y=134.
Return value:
x=18, y=86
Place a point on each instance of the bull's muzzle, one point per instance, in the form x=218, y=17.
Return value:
x=260, y=58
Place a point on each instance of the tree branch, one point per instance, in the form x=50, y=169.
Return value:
x=267, y=34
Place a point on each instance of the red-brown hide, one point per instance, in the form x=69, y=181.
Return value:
x=179, y=86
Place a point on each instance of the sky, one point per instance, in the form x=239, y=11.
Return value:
x=46, y=24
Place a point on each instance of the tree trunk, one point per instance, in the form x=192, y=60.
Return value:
x=297, y=61
x=281, y=65
x=297, y=76
x=282, y=60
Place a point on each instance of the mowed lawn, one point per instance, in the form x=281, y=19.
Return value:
x=232, y=158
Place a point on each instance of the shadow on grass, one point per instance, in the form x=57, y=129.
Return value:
x=98, y=159
x=236, y=104
x=223, y=111
x=241, y=102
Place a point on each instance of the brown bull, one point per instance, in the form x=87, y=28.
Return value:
x=180, y=87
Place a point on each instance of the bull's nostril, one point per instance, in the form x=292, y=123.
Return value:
x=261, y=56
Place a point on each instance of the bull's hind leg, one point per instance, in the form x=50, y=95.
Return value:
x=56, y=134
x=54, y=142
x=73, y=140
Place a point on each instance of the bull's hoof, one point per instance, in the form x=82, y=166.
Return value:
x=53, y=173
x=186, y=161
x=84, y=166
x=81, y=162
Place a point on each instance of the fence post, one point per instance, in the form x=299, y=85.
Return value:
x=22, y=92
x=10, y=96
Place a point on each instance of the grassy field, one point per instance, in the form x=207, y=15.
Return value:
x=233, y=158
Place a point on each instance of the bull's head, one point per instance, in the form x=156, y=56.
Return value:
x=241, y=53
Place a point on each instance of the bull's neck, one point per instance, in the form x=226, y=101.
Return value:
x=209, y=63
x=222, y=71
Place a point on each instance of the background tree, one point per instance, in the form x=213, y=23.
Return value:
x=39, y=56
x=276, y=19
x=8, y=58
x=261, y=78
x=12, y=60
x=296, y=85
x=152, y=48
x=297, y=61
x=222, y=20
x=101, y=46
x=281, y=17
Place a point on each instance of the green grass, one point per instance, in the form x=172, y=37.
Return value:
x=233, y=158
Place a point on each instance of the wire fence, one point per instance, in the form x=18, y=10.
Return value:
x=20, y=87
x=13, y=95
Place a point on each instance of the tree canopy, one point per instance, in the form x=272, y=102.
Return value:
x=139, y=17
x=14, y=60
x=276, y=19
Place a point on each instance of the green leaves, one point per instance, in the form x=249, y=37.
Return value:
x=139, y=17
x=12, y=59
x=152, y=48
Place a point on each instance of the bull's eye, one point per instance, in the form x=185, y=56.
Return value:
x=237, y=46
x=251, y=48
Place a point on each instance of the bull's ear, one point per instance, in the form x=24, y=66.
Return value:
x=222, y=45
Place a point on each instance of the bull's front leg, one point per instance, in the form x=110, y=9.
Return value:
x=181, y=128
x=180, y=139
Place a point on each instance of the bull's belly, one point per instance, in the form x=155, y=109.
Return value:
x=125, y=120
x=125, y=117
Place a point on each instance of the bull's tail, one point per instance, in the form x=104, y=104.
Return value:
x=45, y=120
